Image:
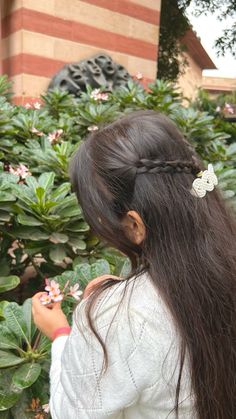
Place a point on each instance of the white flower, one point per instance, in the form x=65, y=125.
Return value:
x=75, y=292
x=139, y=76
x=93, y=128
x=37, y=105
x=45, y=299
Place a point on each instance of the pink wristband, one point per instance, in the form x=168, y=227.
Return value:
x=61, y=331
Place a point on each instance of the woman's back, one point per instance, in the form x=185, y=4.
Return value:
x=143, y=349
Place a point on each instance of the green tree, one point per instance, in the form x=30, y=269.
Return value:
x=174, y=25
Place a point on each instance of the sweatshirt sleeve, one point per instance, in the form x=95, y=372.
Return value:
x=56, y=389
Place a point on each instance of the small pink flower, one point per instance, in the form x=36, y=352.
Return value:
x=45, y=299
x=75, y=292
x=28, y=106
x=228, y=108
x=37, y=132
x=96, y=94
x=21, y=171
x=56, y=297
x=52, y=286
x=93, y=128
x=55, y=135
x=139, y=76
x=54, y=291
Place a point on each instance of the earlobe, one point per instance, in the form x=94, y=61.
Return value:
x=134, y=227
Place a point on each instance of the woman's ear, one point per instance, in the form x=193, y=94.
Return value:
x=134, y=227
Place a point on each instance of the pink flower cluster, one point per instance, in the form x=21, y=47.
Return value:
x=55, y=135
x=98, y=95
x=228, y=108
x=20, y=170
x=55, y=294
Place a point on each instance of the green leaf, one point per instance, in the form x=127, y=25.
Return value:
x=46, y=180
x=3, y=304
x=31, y=182
x=40, y=193
x=29, y=233
x=8, y=359
x=228, y=194
x=5, y=196
x=78, y=227
x=27, y=316
x=8, y=282
x=28, y=221
x=57, y=254
x=77, y=243
x=99, y=268
x=61, y=191
x=8, y=340
x=5, y=216
x=15, y=321
x=7, y=400
x=26, y=375
x=58, y=238
x=84, y=273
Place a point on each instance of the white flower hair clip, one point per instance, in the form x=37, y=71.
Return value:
x=205, y=182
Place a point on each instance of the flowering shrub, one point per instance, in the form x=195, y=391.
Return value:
x=42, y=230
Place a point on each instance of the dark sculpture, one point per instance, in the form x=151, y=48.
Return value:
x=98, y=71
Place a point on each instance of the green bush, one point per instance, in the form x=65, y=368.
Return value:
x=43, y=233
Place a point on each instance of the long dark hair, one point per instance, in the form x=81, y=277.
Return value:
x=141, y=162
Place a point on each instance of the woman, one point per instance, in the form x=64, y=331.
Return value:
x=161, y=343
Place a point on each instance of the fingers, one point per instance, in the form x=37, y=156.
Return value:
x=36, y=299
x=56, y=306
x=38, y=306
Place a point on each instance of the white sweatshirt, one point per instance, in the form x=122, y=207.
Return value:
x=142, y=373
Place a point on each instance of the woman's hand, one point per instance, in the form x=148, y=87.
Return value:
x=48, y=318
x=93, y=284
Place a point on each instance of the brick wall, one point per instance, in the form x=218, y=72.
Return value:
x=39, y=37
x=191, y=80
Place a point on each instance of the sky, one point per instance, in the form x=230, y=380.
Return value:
x=208, y=28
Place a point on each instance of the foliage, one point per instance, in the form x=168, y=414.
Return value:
x=222, y=9
x=218, y=107
x=174, y=24
x=42, y=229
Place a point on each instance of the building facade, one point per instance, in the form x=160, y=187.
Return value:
x=39, y=37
